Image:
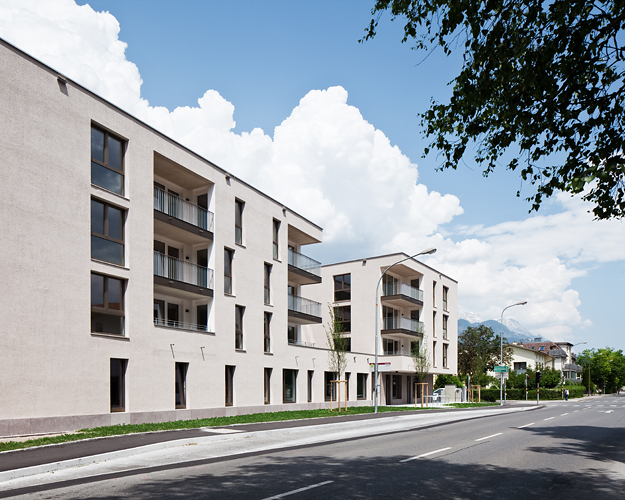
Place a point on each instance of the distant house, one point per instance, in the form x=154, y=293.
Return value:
x=524, y=358
x=564, y=358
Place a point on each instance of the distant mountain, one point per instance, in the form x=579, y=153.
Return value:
x=514, y=332
x=470, y=317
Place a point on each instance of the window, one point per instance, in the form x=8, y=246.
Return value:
x=445, y=320
x=229, y=385
x=267, y=283
x=330, y=393
x=228, y=256
x=118, y=384
x=347, y=377
x=310, y=385
x=397, y=394
x=289, y=386
x=267, y=386
x=107, y=304
x=434, y=293
x=342, y=287
x=434, y=354
x=541, y=348
x=276, y=238
x=445, y=347
x=343, y=316
x=159, y=312
x=202, y=317
x=181, y=385
x=445, y=293
x=361, y=386
x=238, y=326
x=267, y=332
x=238, y=221
x=434, y=324
x=391, y=347
x=107, y=161
x=414, y=314
x=521, y=366
x=292, y=335
x=107, y=232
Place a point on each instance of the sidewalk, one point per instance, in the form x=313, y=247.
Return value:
x=38, y=460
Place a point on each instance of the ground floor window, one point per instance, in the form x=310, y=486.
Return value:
x=347, y=377
x=361, y=386
x=330, y=392
x=289, y=386
x=396, y=387
x=118, y=384
x=267, y=386
x=229, y=385
x=181, y=385
x=310, y=385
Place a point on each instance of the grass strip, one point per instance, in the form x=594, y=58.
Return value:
x=118, y=430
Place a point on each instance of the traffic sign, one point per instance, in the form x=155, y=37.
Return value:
x=500, y=369
x=503, y=375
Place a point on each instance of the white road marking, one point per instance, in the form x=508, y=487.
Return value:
x=549, y=418
x=425, y=454
x=564, y=414
x=599, y=405
x=575, y=411
x=609, y=411
x=491, y=436
x=612, y=405
x=526, y=425
x=219, y=431
x=282, y=495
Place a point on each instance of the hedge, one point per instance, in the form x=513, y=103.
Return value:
x=519, y=394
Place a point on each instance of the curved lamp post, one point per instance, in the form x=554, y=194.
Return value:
x=501, y=346
x=429, y=251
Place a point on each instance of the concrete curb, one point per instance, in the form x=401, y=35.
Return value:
x=103, y=457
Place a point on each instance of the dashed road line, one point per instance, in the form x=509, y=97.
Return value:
x=293, y=492
x=549, y=418
x=575, y=411
x=425, y=454
x=564, y=414
x=526, y=425
x=491, y=436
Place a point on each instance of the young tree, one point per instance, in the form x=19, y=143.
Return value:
x=337, y=343
x=479, y=351
x=421, y=361
x=538, y=78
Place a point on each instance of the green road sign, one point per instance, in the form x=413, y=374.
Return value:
x=501, y=369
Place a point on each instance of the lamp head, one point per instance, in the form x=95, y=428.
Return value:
x=429, y=251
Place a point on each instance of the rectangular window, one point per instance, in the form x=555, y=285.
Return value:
x=434, y=324
x=292, y=334
x=343, y=315
x=267, y=386
x=181, y=385
x=342, y=287
x=434, y=354
x=445, y=320
x=361, y=386
x=107, y=232
x=414, y=314
x=228, y=257
x=202, y=317
x=347, y=379
x=330, y=393
x=522, y=366
x=310, y=385
x=173, y=315
x=267, y=281
x=118, y=384
x=290, y=386
x=445, y=348
x=239, y=311
x=276, y=238
x=107, y=304
x=434, y=293
x=238, y=221
x=445, y=293
x=267, y=332
x=229, y=385
x=107, y=161
x=397, y=394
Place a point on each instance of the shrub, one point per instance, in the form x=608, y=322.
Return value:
x=444, y=379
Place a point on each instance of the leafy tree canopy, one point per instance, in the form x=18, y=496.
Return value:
x=479, y=351
x=606, y=365
x=541, y=89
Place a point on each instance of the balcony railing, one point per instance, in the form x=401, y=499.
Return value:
x=180, y=270
x=182, y=209
x=301, y=343
x=573, y=367
x=401, y=323
x=304, y=263
x=398, y=352
x=180, y=325
x=399, y=288
x=305, y=306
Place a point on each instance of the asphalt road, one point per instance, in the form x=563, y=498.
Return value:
x=565, y=450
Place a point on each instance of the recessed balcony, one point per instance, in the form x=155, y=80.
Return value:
x=180, y=219
x=180, y=325
x=187, y=278
x=303, y=270
x=401, y=295
x=398, y=325
x=303, y=311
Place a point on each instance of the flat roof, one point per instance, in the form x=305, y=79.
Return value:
x=399, y=254
x=50, y=69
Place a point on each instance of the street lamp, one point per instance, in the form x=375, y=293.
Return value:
x=429, y=251
x=501, y=346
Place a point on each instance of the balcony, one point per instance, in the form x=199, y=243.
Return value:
x=180, y=325
x=572, y=368
x=401, y=295
x=301, y=343
x=303, y=311
x=303, y=270
x=176, y=214
x=396, y=352
x=402, y=326
x=184, y=276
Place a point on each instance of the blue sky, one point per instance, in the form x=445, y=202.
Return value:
x=263, y=59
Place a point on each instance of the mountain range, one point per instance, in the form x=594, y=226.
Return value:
x=513, y=331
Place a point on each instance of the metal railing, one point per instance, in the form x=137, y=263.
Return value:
x=399, y=288
x=304, y=263
x=570, y=367
x=305, y=306
x=399, y=352
x=401, y=323
x=301, y=343
x=182, y=209
x=180, y=270
x=181, y=325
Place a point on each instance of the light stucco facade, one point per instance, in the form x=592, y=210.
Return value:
x=144, y=283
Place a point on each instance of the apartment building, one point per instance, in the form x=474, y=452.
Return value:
x=564, y=358
x=417, y=310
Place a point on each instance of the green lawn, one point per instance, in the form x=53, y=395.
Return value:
x=116, y=430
